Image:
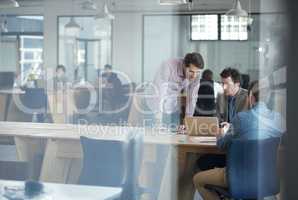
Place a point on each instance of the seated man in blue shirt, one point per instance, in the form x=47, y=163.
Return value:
x=257, y=123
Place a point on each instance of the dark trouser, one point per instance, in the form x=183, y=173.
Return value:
x=210, y=161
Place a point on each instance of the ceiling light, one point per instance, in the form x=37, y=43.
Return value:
x=237, y=10
x=72, y=28
x=172, y=2
x=89, y=5
x=105, y=13
x=9, y=4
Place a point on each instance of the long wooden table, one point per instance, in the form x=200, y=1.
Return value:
x=60, y=145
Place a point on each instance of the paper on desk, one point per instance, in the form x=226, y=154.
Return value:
x=204, y=139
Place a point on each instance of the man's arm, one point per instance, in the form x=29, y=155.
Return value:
x=192, y=95
x=225, y=137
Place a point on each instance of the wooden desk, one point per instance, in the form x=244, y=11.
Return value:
x=72, y=192
x=60, y=144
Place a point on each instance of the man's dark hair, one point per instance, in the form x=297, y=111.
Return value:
x=195, y=59
x=231, y=72
x=107, y=66
x=207, y=75
x=60, y=67
x=259, y=91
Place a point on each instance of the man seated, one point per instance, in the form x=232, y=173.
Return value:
x=233, y=101
x=60, y=78
x=257, y=123
x=112, y=89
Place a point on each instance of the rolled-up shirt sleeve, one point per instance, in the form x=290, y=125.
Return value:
x=192, y=95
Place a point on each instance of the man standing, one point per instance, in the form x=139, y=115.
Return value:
x=257, y=123
x=173, y=77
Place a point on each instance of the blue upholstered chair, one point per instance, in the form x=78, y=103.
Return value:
x=251, y=169
x=113, y=163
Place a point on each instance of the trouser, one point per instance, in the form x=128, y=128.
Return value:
x=215, y=176
x=211, y=161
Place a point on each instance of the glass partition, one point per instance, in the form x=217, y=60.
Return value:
x=85, y=53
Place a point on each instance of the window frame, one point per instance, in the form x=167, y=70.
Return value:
x=219, y=32
x=191, y=28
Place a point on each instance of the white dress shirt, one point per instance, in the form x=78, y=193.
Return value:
x=169, y=82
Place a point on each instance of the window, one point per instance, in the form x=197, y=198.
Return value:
x=21, y=47
x=86, y=52
x=206, y=27
x=31, y=59
x=233, y=28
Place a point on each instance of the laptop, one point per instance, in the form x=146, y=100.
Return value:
x=201, y=126
x=6, y=80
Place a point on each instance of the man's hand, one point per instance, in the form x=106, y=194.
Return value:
x=181, y=129
x=224, y=127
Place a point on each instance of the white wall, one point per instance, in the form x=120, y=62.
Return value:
x=127, y=44
x=127, y=30
x=167, y=36
x=8, y=55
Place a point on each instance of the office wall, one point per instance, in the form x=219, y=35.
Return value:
x=127, y=35
x=168, y=36
x=127, y=44
x=8, y=55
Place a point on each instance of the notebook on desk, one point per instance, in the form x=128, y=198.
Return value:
x=201, y=126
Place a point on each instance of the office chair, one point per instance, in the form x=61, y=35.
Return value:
x=135, y=156
x=103, y=162
x=35, y=102
x=244, y=81
x=113, y=163
x=156, y=172
x=252, y=170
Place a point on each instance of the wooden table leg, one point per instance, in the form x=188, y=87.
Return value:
x=30, y=150
x=53, y=168
x=62, y=161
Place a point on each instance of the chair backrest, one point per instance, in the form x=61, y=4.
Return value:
x=103, y=162
x=157, y=171
x=205, y=105
x=113, y=163
x=35, y=98
x=23, y=106
x=135, y=157
x=82, y=98
x=244, y=81
x=252, y=168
